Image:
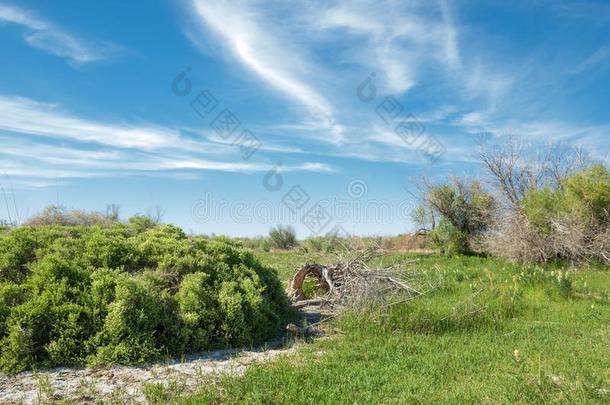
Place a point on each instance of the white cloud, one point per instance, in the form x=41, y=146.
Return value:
x=482, y=81
x=44, y=35
x=96, y=148
x=27, y=116
x=452, y=51
x=311, y=167
x=24, y=158
x=475, y=118
x=19, y=16
x=260, y=50
x=591, y=137
x=397, y=38
x=390, y=138
x=408, y=43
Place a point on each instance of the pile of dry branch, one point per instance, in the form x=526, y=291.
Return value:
x=352, y=280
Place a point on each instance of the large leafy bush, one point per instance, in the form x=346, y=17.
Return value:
x=128, y=293
x=584, y=196
x=568, y=221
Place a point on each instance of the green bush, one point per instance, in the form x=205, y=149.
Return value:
x=570, y=221
x=283, y=237
x=129, y=293
x=588, y=193
x=466, y=211
x=541, y=207
x=264, y=245
x=448, y=239
x=584, y=196
x=321, y=244
x=258, y=243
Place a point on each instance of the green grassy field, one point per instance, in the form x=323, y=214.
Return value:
x=489, y=331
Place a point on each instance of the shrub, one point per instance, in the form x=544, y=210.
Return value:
x=321, y=244
x=584, y=196
x=541, y=207
x=465, y=210
x=587, y=193
x=72, y=295
x=5, y=226
x=283, y=237
x=59, y=215
x=570, y=221
x=448, y=239
x=258, y=243
x=133, y=318
x=141, y=223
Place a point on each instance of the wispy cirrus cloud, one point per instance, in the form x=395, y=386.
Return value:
x=455, y=77
x=397, y=38
x=252, y=43
x=23, y=115
x=280, y=43
x=43, y=140
x=591, y=137
x=43, y=34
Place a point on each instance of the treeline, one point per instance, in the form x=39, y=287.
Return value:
x=552, y=204
x=283, y=237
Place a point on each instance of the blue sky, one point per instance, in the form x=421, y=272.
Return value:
x=96, y=103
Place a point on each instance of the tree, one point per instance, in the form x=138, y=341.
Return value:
x=516, y=168
x=424, y=218
x=466, y=210
x=283, y=237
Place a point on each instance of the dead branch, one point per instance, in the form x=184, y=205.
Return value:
x=352, y=279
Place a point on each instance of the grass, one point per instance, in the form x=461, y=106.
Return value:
x=490, y=332
x=287, y=262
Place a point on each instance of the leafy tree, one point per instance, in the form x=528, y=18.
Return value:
x=448, y=239
x=466, y=210
x=283, y=237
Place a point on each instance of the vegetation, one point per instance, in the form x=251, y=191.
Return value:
x=569, y=221
x=59, y=215
x=490, y=331
x=515, y=309
x=128, y=293
x=465, y=208
x=555, y=206
x=283, y=237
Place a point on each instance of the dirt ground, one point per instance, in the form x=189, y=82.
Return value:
x=125, y=384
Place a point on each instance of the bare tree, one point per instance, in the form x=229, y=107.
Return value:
x=112, y=212
x=513, y=175
x=156, y=215
x=517, y=168
x=559, y=161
